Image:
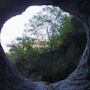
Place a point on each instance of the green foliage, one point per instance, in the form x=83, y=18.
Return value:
x=46, y=50
x=50, y=24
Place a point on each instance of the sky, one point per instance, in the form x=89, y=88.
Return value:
x=14, y=27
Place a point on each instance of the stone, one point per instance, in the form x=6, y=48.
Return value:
x=10, y=79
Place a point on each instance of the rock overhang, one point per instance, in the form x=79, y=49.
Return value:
x=11, y=8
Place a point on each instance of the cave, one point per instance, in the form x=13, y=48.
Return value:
x=10, y=79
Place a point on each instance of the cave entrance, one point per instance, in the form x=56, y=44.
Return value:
x=45, y=50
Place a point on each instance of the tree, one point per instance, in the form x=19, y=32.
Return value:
x=50, y=28
x=48, y=25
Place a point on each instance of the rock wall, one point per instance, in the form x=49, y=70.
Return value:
x=10, y=79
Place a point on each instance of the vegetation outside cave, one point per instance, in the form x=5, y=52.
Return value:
x=50, y=47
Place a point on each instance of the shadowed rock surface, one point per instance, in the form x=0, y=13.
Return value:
x=10, y=79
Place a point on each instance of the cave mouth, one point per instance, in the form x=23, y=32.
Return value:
x=50, y=70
